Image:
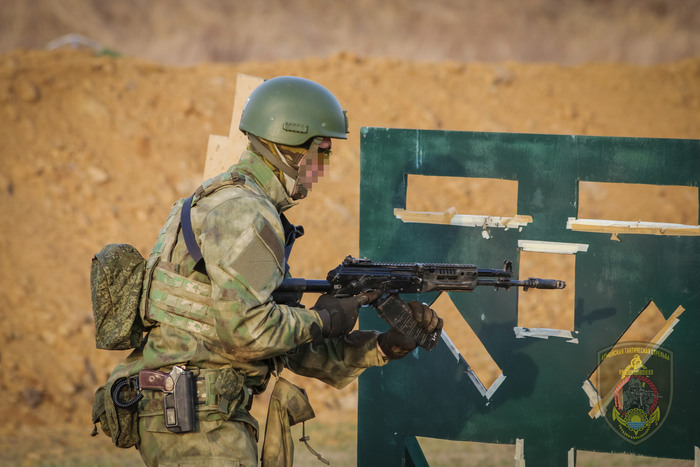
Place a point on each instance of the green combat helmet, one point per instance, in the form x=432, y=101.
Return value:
x=290, y=110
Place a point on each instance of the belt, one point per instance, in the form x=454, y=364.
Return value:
x=219, y=390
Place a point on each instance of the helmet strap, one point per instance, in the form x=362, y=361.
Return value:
x=313, y=149
x=272, y=159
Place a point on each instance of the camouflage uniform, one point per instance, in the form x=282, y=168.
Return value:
x=224, y=323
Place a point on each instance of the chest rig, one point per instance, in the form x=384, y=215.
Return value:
x=183, y=302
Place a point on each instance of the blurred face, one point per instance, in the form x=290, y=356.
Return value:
x=314, y=164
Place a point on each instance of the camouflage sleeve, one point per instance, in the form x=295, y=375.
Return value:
x=242, y=244
x=339, y=361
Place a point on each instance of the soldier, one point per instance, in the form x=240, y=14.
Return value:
x=215, y=317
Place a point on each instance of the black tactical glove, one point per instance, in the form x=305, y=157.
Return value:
x=395, y=345
x=339, y=315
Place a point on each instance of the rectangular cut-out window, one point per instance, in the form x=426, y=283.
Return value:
x=467, y=195
x=462, y=339
x=465, y=453
x=547, y=309
x=612, y=458
x=636, y=208
x=465, y=201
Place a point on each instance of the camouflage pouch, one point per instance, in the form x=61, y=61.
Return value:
x=119, y=423
x=231, y=390
x=288, y=406
x=99, y=413
x=116, y=280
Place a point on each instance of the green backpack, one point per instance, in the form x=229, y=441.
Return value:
x=116, y=282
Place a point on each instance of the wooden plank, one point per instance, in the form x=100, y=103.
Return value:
x=224, y=151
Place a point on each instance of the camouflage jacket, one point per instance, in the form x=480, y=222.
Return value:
x=227, y=318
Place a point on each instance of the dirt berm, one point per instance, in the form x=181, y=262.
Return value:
x=95, y=150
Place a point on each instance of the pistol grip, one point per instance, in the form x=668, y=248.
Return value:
x=152, y=379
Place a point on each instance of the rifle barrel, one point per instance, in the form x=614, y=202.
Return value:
x=531, y=283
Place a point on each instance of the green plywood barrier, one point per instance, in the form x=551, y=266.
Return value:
x=544, y=396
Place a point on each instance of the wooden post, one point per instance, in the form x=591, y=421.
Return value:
x=223, y=151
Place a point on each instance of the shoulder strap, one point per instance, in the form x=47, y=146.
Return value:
x=291, y=231
x=208, y=187
x=190, y=241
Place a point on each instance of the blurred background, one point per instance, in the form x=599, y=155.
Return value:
x=186, y=32
x=103, y=129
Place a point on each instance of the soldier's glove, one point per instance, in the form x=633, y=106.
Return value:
x=339, y=315
x=395, y=345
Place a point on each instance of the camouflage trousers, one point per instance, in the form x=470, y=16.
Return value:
x=215, y=443
x=220, y=443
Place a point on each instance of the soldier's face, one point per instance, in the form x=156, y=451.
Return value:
x=314, y=164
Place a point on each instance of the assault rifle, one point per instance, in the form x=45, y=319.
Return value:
x=354, y=276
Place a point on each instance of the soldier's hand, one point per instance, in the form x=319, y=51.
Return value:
x=339, y=315
x=425, y=316
x=395, y=345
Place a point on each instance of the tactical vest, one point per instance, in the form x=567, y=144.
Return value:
x=169, y=297
x=179, y=301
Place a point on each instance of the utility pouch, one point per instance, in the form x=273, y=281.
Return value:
x=288, y=406
x=99, y=413
x=116, y=280
x=115, y=408
x=232, y=392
